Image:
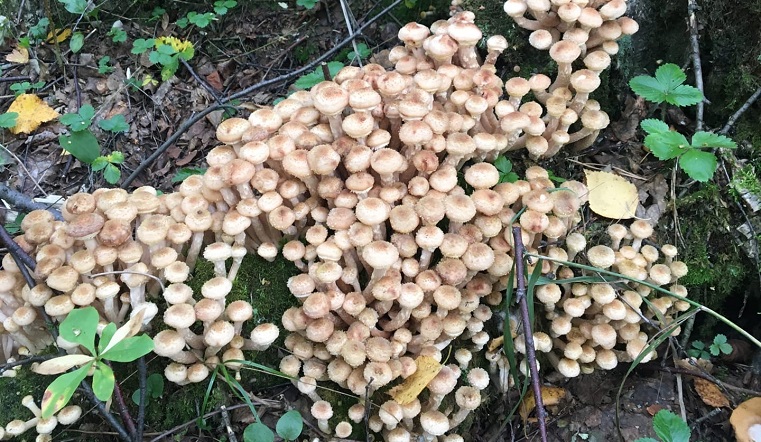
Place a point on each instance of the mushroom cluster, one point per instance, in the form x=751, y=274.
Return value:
x=44, y=427
x=359, y=181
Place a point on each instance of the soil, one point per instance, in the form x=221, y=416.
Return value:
x=257, y=41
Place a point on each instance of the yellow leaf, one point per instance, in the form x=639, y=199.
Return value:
x=61, y=364
x=60, y=35
x=19, y=55
x=32, y=112
x=550, y=396
x=710, y=393
x=496, y=343
x=611, y=196
x=427, y=369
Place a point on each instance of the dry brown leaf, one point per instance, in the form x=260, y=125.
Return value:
x=550, y=396
x=406, y=392
x=710, y=393
x=32, y=112
x=19, y=55
x=611, y=196
x=653, y=409
x=745, y=416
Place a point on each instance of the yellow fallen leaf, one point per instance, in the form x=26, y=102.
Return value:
x=19, y=55
x=60, y=35
x=496, y=343
x=32, y=112
x=406, y=392
x=710, y=393
x=611, y=196
x=550, y=396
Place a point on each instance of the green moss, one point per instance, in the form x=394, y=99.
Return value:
x=181, y=404
x=13, y=389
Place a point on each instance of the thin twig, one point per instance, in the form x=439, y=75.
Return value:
x=348, y=18
x=692, y=8
x=122, y=409
x=18, y=78
x=520, y=296
x=103, y=412
x=22, y=203
x=8, y=365
x=197, y=117
x=21, y=164
x=201, y=81
x=228, y=426
x=142, y=373
x=736, y=116
x=17, y=252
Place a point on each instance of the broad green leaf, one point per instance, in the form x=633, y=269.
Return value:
x=87, y=112
x=83, y=145
x=141, y=45
x=80, y=327
x=684, y=95
x=154, y=388
x=61, y=364
x=699, y=165
x=77, y=7
x=654, y=126
x=112, y=174
x=258, y=432
x=8, y=119
x=645, y=439
x=103, y=381
x=709, y=139
x=185, y=172
x=648, y=88
x=76, y=42
x=115, y=124
x=75, y=121
x=130, y=328
x=290, y=425
x=670, y=428
x=666, y=145
x=59, y=392
x=129, y=349
x=725, y=348
x=100, y=163
x=699, y=345
x=670, y=76
x=105, y=336
x=503, y=165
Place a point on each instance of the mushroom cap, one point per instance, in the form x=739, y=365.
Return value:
x=434, y=422
x=322, y=410
x=601, y=256
x=219, y=334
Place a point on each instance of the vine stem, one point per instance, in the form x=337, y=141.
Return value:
x=520, y=296
x=695, y=304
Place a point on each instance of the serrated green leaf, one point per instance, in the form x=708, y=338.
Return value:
x=290, y=425
x=714, y=349
x=115, y=124
x=670, y=428
x=87, y=112
x=725, y=348
x=654, y=126
x=182, y=23
x=105, y=336
x=103, y=65
x=141, y=45
x=709, y=139
x=100, y=163
x=129, y=349
x=720, y=339
x=83, y=145
x=684, y=95
x=118, y=35
x=103, y=381
x=76, y=42
x=170, y=68
x=59, y=392
x=80, y=327
x=258, y=432
x=188, y=53
x=74, y=121
x=670, y=76
x=666, y=145
x=8, y=119
x=699, y=165
x=112, y=174
x=503, y=165
x=648, y=88
x=116, y=157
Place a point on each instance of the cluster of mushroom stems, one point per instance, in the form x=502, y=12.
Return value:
x=358, y=180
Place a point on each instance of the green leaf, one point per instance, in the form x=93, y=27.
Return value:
x=141, y=45
x=129, y=349
x=8, y=119
x=83, y=145
x=105, y=336
x=115, y=157
x=670, y=76
x=698, y=345
x=80, y=327
x=201, y=20
x=59, y=392
x=76, y=42
x=709, y=139
x=666, y=145
x=290, y=425
x=40, y=30
x=258, y=432
x=648, y=88
x=308, y=4
x=699, y=165
x=684, y=95
x=188, y=53
x=720, y=339
x=103, y=381
x=309, y=80
x=78, y=121
x=103, y=65
x=714, y=349
x=14, y=226
x=100, y=163
x=170, y=68
x=725, y=348
x=645, y=439
x=115, y=124
x=670, y=428
x=503, y=165
x=154, y=388
x=654, y=126
x=182, y=23
x=117, y=35
x=77, y=7
x=87, y=112
x=185, y=172
x=112, y=174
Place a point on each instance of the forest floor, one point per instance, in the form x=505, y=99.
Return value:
x=256, y=42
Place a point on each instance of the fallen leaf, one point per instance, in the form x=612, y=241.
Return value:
x=406, y=392
x=654, y=409
x=710, y=393
x=215, y=81
x=745, y=416
x=60, y=35
x=19, y=55
x=32, y=112
x=550, y=396
x=496, y=343
x=611, y=196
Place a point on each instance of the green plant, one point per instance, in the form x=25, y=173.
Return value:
x=115, y=345
x=288, y=427
x=362, y=53
x=505, y=168
x=718, y=346
x=667, y=144
x=104, y=66
x=307, y=4
x=166, y=52
x=202, y=20
x=117, y=33
x=8, y=119
x=25, y=86
x=38, y=32
x=669, y=428
x=185, y=172
x=309, y=80
x=14, y=227
x=81, y=142
x=154, y=388
x=666, y=86
x=77, y=7
x=76, y=42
